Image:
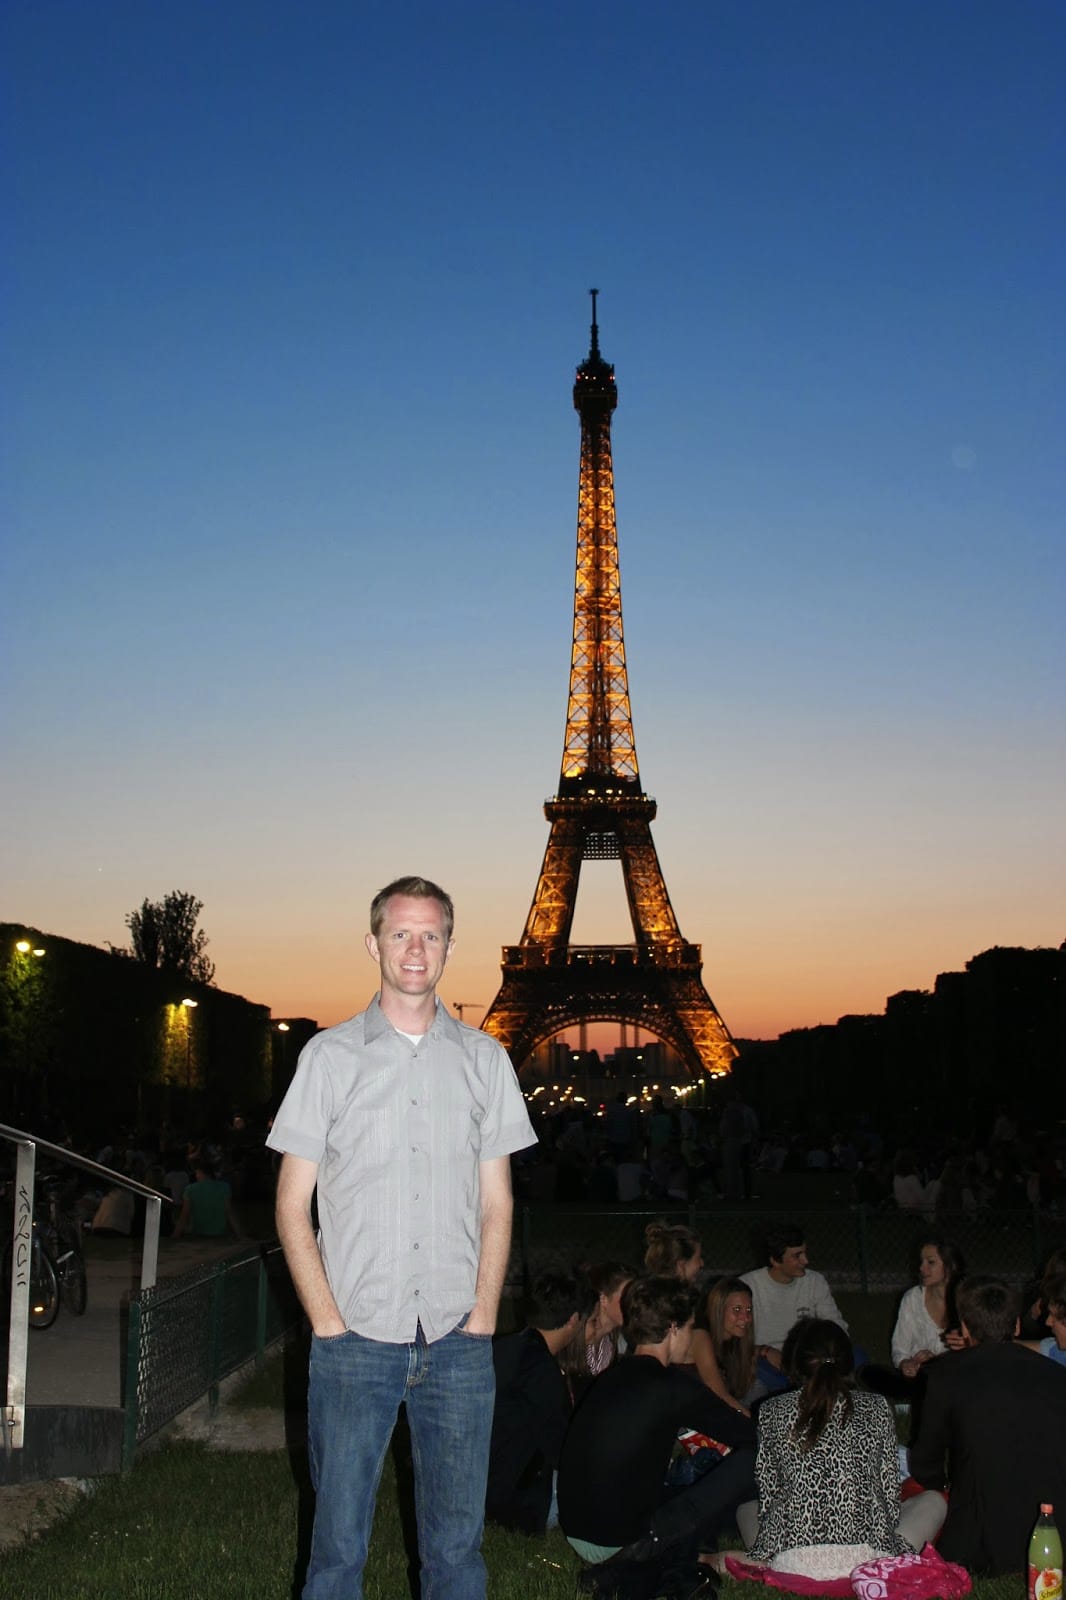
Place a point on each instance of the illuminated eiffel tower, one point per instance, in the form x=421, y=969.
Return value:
x=601, y=813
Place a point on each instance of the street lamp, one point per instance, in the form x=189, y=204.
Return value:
x=190, y=1005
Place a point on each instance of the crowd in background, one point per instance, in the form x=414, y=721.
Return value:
x=660, y=1150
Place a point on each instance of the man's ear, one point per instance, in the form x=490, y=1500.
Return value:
x=372, y=946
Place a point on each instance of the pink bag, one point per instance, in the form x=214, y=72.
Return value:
x=911, y=1577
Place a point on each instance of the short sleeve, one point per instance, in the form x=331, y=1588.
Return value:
x=303, y=1118
x=505, y=1127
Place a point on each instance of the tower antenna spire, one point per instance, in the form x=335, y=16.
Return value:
x=594, y=348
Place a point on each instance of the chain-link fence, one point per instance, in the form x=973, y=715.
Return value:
x=187, y=1334
x=858, y=1248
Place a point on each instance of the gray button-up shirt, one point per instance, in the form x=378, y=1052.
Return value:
x=398, y=1132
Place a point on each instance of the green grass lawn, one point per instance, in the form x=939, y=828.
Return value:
x=191, y=1522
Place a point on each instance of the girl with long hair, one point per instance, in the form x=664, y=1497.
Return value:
x=827, y=1467
x=723, y=1344
x=595, y=1345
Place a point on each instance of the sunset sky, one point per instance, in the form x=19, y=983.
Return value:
x=295, y=296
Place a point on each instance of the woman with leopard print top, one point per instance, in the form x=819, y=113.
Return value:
x=827, y=1467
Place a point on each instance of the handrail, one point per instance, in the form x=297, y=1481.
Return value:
x=86, y=1165
x=27, y=1145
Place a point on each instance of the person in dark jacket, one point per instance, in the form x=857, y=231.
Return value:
x=532, y=1410
x=614, y=1503
x=994, y=1427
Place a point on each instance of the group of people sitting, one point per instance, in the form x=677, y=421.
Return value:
x=652, y=1417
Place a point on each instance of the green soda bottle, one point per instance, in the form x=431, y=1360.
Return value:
x=1045, y=1558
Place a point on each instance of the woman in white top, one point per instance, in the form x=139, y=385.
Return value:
x=926, y=1325
x=925, y=1328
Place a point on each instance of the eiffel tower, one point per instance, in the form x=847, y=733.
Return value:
x=601, y=813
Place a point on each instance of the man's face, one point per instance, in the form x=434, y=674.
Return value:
x=792, y=1265
x=411, y=947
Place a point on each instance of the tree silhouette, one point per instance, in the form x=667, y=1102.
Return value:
x=163, y=933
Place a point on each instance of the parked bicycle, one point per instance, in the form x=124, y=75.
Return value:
x=61, y=1238
x=56, y=1260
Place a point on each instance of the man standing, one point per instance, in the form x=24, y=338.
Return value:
x=405, y=1120
x=785, y=1290
x=994, y=1424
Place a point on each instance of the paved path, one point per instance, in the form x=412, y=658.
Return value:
x=79, y=1360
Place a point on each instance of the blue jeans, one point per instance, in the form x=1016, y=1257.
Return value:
x=356, y=1389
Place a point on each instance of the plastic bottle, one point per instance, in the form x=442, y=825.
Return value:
x=1045, y=1558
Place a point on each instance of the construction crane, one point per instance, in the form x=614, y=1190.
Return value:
x=465, y=1005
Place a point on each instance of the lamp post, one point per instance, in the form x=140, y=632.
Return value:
x=190, y=1006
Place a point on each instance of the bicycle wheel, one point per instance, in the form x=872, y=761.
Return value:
x=73, y=1283
x=44, y=1290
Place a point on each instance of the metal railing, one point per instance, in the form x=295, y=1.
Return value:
x=27, y=1146
x=187, y=1334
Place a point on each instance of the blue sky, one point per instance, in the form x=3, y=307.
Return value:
x=296, y=294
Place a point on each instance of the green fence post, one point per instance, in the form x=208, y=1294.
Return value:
x=215, y=1335
x=131, y=1413
x=261, y=1315
x=864, y=1247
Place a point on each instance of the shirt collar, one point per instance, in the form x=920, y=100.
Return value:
x=376, y=1023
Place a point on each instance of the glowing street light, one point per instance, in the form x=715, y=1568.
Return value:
x=190, y=1005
